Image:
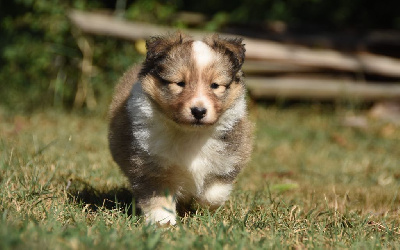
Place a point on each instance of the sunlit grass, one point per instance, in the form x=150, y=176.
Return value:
x=311, y=183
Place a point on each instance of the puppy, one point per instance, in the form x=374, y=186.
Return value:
x=178, y=124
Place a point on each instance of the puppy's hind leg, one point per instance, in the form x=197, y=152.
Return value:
x=215, y=195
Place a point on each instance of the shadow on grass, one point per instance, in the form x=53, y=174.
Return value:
x=120, y=199
x=80, y=192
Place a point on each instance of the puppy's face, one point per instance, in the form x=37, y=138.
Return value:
x=193, y=82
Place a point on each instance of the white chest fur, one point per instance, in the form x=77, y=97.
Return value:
x=197, y=152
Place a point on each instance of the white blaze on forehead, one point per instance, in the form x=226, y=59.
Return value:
x=203, y=54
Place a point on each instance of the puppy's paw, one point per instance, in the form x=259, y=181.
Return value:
x=161, y=216
x=216, y=195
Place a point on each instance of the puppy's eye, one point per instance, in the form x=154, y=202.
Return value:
x=181, y=84
x=163, y=81
x=214, y=85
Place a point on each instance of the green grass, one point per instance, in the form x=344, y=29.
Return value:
x=312, y=183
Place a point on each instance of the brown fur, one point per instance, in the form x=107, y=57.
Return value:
x=169, y=80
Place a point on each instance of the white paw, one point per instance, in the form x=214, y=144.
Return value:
x=217, y=194
x=161, y=216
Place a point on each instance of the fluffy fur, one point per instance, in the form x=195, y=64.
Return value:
x=178, y=124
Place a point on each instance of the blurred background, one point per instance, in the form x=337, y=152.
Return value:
x=68, y=54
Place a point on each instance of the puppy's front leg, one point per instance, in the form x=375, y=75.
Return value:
x=159, y=209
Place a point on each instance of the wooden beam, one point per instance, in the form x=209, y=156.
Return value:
x=101, y=24
x=320, y=89
x=107, y=25
x=323, y=58
x=273, y=67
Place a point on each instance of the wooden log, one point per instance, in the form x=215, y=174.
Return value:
x=323, y=58
x=190, y=18
x=320, y=89
x=273, y=67
x=101, y=24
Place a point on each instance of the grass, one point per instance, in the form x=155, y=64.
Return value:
x=312, y=183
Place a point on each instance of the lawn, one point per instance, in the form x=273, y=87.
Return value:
x=311, y=183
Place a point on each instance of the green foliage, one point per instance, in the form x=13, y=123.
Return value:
x=37, y=47
x=42, y=60
x=324, y=14
x=152, y=11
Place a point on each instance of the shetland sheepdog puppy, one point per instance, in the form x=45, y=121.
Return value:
x=178, y=124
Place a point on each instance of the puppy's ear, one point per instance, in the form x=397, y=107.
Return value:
x=160, y=45
x=232, y=47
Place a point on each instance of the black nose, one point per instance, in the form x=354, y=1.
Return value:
x=198, y=112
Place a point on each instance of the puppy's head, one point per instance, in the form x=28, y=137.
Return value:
x=193, y=82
